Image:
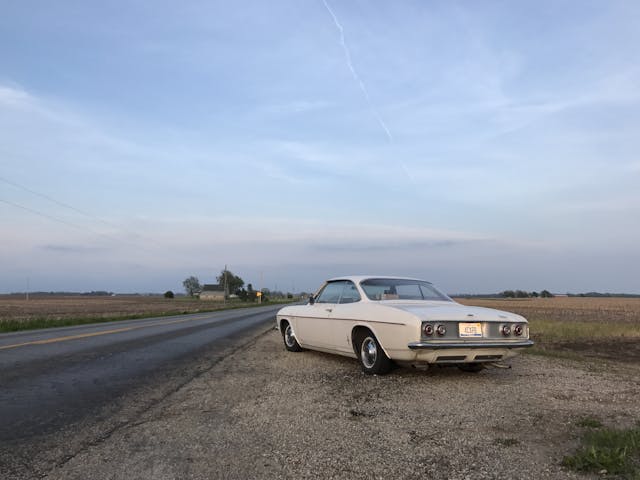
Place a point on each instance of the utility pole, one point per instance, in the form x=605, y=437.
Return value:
x=28, y=289
x=224, y=282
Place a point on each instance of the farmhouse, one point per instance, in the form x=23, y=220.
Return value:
x=213, y=292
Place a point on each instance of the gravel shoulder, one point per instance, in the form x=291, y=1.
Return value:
x=262, y=412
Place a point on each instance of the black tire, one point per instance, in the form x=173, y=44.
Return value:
x=371, y=355
x=289, y=339
x=471, y=367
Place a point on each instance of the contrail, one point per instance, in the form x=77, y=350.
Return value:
x=360, y=83
x=356, y=77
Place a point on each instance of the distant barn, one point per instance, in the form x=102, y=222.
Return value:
x=213, y=292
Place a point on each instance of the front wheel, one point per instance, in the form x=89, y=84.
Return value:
x=372, y=358
x=290, y=342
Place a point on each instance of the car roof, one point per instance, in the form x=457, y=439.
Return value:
x=360, y=278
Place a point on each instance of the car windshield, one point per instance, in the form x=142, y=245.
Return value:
x=401, y=289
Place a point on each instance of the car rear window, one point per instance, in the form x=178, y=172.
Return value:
x=401, y=289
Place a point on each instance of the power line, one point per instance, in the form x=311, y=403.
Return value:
x=72, y=208
x=57, y=202
x=69, y=224
x=36, y=212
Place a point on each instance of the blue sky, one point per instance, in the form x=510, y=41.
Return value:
x=480, y=145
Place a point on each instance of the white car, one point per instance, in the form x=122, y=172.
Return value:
x=380, y=320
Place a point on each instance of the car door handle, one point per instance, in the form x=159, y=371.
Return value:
x=329, y=309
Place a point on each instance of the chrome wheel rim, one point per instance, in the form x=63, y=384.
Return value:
x=369, y=352
x=289, y=337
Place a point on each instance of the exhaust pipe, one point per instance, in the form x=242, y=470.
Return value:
x=498, y=365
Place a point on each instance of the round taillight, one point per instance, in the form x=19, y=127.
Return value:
x=428, y=330
x=441, y=330
x=506, y=330
x=518, y=330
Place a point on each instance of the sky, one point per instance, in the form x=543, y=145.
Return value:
x=482, y=146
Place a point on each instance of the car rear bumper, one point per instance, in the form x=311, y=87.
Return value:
x=453, y=345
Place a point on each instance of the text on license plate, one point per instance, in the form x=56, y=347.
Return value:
x=470, y=329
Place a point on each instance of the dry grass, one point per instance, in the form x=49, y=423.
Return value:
x=16, y=313
x=598, y=327
x=57, y=307
x=573, y=309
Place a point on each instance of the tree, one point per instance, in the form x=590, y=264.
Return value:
x=168, y=294
x=232, y=283
x=509, y=294
x=265, y=295
x=191, y=285
x=242, y=294
x=546, y=294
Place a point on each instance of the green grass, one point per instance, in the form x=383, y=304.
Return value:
x=506, y=442
x=615, y=451
x=589, y=422
x=10, y=325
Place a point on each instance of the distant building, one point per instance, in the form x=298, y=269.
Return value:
x=213, y=292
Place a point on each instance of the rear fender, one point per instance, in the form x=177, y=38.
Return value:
x=367, y=326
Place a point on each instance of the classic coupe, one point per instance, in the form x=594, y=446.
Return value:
x=382, y=320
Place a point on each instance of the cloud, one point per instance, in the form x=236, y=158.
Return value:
x=224, y=141
x=14, y=97
x=74, y=249
x=69, y=135
x=41, y=110
x=373, y=245
x=295, y=107
x=306, y=162
x=612, y=203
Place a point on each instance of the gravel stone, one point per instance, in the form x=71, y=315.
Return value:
x=266, y=413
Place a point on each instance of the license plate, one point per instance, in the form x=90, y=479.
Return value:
x=470, y=329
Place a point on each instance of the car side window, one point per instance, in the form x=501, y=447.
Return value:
x=330, y=293
x=409, y=292
x=350, y=293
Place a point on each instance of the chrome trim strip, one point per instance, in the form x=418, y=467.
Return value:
x=441, y=346
x=349, y=320
x=378, y=321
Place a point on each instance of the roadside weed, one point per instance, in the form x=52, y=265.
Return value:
x=606, y=450
x=507, y=442
x=589, y=422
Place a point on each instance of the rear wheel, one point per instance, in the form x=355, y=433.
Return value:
x=471, y=367
x=372, y=358
x=290, y=342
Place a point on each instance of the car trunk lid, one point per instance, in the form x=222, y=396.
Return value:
x=435, y=311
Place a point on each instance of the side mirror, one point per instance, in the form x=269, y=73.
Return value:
x=312, y=299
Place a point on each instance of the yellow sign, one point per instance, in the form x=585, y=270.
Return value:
x=258, y=294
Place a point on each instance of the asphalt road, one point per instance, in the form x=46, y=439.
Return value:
x=50, y=379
